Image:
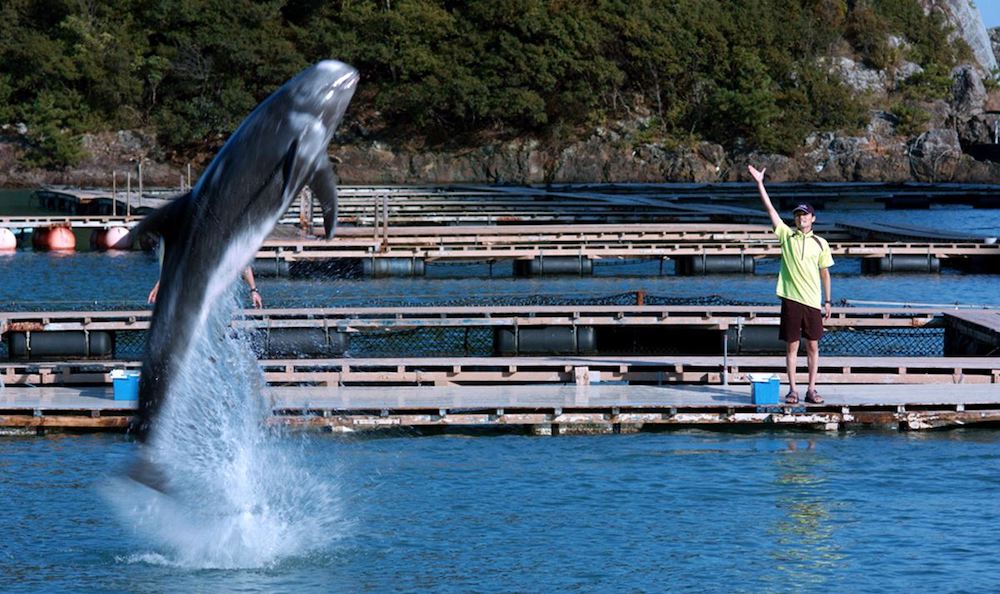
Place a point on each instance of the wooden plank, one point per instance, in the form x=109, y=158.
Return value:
x=908, y=407
x=535, y=370
x=351, y=318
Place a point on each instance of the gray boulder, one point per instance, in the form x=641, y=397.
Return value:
x=968, y=93
x=935, y=155
x=856, y=75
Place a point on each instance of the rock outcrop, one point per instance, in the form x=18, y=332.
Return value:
x=968, y=23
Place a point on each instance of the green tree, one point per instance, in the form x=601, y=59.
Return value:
x=52, y=143
x=742, y=72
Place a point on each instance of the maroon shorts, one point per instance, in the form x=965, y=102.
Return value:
x=798, y=320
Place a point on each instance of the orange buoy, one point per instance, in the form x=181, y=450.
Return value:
x=8, y=242
x=106, y=239
x=59, y=238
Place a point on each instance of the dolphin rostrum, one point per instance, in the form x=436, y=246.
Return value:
x=212, y=233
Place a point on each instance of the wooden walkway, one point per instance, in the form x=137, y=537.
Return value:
x=407, y=205
x=587, y=241
x=584, y=244
x=398, y=244
x=543, y=410
x=577, y=369
x=356, y=319
x=509, y=330
x=581, y=203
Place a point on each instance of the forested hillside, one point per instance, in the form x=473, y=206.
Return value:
x=746, y=74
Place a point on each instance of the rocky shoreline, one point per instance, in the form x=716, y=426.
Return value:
x=608, y=155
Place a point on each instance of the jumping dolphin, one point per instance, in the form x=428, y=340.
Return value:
x=213, y=232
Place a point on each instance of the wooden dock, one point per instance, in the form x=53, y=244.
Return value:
x=541, y=394
x=591, y=242
x=510, y=330
x=565, y=203
x=536, y=370
x=398, y=231
x=354, y=319
x=408, y=205
x=542, y=410
x=543, y=249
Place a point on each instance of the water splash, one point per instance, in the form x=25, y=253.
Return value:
x=240, y=492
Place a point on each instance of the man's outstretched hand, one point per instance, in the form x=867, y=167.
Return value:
x=757, y=175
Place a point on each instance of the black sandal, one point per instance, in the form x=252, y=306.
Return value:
x=813, y=397
x=792, y=397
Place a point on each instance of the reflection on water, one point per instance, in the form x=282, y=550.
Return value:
x=805, y=534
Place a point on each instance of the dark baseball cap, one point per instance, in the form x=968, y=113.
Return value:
x=804, y=207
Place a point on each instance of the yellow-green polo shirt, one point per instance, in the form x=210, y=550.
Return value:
x=803, y=255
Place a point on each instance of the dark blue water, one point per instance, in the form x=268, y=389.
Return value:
x=682, y=511
x=53, y=281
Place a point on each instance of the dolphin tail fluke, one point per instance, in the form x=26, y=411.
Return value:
x=148, y=474
x=324, y=187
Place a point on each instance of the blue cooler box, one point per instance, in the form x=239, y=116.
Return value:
x=764, y=388
x=126, y=384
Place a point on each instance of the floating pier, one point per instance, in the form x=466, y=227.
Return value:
x=491, y=330
x=696, y=249
x=527, y=370
x=399, y=231
x=543, y=410
x=574, y=392
x=542, y=369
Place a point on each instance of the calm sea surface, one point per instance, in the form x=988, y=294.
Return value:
x=674, y=511
x=682, y=511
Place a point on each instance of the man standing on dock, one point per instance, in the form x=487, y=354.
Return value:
x=805, y=262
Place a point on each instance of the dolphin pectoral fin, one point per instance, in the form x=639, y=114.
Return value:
x=304, y=157
x=324, y=187
x=162, y=221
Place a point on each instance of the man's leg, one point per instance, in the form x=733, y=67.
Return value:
x=791, y=361
x=812, y=352
x=812, y=331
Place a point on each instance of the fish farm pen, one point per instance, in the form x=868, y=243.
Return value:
x=548, y=365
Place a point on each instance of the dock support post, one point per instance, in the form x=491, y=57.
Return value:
x=725, y=357
x=545, y=429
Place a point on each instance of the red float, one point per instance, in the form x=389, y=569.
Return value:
x=59, y=239
x=106, y=239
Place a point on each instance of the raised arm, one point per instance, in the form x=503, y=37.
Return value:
x=758, y=176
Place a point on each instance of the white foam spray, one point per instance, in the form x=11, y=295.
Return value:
x=240, y=491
